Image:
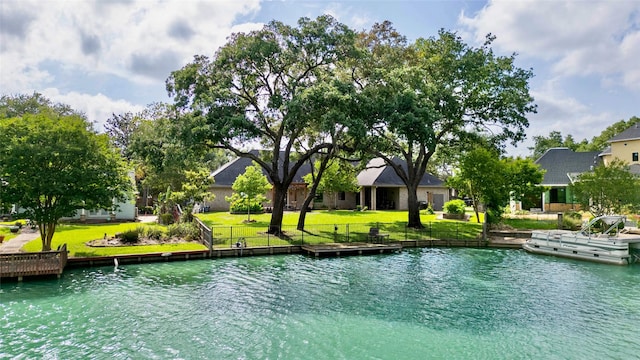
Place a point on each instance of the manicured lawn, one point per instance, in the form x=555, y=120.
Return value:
x=76, y=236
x=4, y=230
x=332, y=226
x=531, y=224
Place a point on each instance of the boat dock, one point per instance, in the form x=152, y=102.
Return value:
x=339, y=249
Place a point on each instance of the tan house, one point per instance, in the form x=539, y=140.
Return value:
x=562, y=166
x=381, y=189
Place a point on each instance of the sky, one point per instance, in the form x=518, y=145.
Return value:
x=113, y=56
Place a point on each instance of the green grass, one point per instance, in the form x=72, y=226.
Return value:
x=332, y=226
x=4, y=230
x=76, y=237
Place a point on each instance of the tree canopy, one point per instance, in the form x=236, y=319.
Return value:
x=608, y=189
x=53, y=165
x=436, y=92
x=256, y=90
x=249, y=189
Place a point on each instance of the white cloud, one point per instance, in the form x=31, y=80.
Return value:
x=98, y=108
x=580, y=37
x=137, y=40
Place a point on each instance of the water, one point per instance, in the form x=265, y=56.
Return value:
x=418, y=304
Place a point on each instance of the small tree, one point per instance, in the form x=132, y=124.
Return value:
x=608, y=189
x=339, y=176
x=249, y=189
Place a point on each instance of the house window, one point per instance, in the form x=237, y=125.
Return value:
x=634, y=156
x=342, y=195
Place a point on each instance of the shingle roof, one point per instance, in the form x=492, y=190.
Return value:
x=632, y=133
x=562, y=163
x=227, y=173
x=379, y=174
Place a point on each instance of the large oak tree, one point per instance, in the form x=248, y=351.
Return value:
x=435, y=92
x=252, y=93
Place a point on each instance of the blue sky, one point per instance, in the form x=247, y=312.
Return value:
x=106, y=57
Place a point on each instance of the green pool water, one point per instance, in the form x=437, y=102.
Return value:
x=418, y=304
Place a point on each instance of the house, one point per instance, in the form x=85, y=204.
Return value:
x=626, y=147
x=381, y=188
x=563, y=165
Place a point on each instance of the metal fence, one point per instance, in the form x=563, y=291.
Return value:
x=249, y=236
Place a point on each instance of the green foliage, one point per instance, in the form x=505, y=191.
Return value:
x=166, y=218
x=129, y=237
x=53, y=165
x=427, y=95
x=338, y=176
x=608, y=190
x=151, y=232
x=186, y=231
x=572, y=220
x=236, y=100
x=456, y=206
x=249, y=189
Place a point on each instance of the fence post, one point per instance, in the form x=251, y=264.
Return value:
x=230, y=236
x=348, y=237
x=302, y=233
x=268, y=238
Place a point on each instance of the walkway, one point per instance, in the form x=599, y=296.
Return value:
x=15, y=245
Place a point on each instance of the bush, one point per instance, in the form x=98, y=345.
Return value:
x=186, y=231
x=166, y=218
x=241, y=208
x=129, y=236
x=152, y=232
x=572, y=220
x=19, y=224
x=454, y=207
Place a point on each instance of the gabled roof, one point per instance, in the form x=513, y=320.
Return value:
x=563, y=164
x=227, y=173
x=378, y=173
x=632, y=133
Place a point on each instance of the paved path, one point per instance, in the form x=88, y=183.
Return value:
x=15, y=245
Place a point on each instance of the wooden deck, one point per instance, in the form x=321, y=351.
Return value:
x=19, y=265
x=350, y=249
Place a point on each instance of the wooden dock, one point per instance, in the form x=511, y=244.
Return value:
x=339, y=249
x=19, y=265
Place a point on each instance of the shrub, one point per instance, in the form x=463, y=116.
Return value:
x=572, y=220
x=129, y=236
x=454, y=206
x=19, y=224
x=166, y=218
x=186, y=231
x=241, y=208
x=152, y=232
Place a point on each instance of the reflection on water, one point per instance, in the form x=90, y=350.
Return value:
x=423, y=303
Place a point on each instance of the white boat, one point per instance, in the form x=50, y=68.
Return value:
x=613, y=244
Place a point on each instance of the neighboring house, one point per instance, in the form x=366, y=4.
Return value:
x=381, y=189
x=624, y=146
x=563, y=165
x=126, y=211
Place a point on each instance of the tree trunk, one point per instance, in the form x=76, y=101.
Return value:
x=275, y=226
x=46, y=234
x=312, y=193
x=414, y=209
